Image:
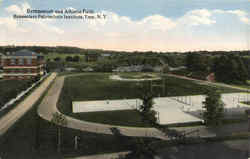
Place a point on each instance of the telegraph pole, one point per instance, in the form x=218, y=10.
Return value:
x=76, y=142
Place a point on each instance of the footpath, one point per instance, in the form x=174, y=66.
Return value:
x=48, y=107
x=10, y=118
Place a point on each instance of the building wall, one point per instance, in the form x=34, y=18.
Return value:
x=91, y=58
x=25, y=62
x=22, y=67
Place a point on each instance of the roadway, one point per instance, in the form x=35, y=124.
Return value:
x=15, y=114
x=48, y=107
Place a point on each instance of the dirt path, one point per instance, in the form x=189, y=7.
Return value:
x=48, y=107
x=202, y=82
x=10, y=118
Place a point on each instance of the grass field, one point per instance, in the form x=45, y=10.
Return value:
x=10, y=88
x=119, y=117
x=34, y=138
x=98, y=86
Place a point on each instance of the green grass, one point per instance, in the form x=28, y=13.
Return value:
x=98, y=86
x=10, y=88
x=20, y=140
x=33, y=137
x=6, y=110
x=118, y=117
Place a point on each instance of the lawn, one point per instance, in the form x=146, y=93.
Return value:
x=119, y=117
x=98, y=86
x=34, y=138
x=10, y=88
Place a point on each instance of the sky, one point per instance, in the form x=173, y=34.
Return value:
x=132, y=25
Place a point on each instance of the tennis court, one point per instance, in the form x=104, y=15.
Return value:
x=170, y=110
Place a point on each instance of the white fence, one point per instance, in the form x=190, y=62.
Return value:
x=20, y=95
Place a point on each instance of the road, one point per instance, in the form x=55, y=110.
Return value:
x=202, y=82
x=10, y=118
x=48, y=107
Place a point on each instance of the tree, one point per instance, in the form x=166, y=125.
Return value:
x=214, y=108
x=104, y=66
x=57, y=59
x=165, y=68
x=140, y=149
x=197, y=62
x=230, y=69
x=69, y=59
x=242, y=70
x=60, y=120
x=76, y=58
x=146, y=109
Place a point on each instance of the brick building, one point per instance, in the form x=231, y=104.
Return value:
x=23, y=64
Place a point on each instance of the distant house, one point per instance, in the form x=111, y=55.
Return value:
x=105, y=56
x=91, y=57
x=23, y=64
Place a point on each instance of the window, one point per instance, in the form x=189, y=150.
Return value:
x=21, y=61
x=29, y=61
x=12, y=61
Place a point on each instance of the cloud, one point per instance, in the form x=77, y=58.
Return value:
x=8, y=22
x=158, y=22
x=197, y=17
x=28, y=24
x=16, y=9
x=242, y=15
x=194, y=30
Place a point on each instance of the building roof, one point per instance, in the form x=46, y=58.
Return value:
x=24, y=52
x=106, y=55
